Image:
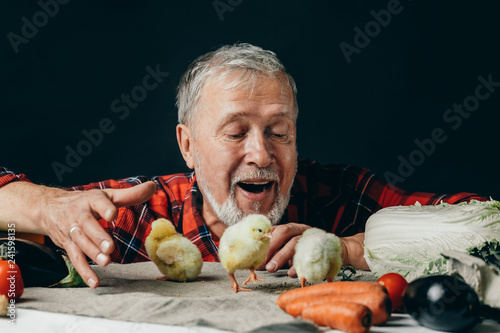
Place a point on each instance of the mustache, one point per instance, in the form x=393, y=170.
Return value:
x=256, y=174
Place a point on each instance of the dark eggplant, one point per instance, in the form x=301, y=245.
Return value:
x=40, y=265
x=443, y=303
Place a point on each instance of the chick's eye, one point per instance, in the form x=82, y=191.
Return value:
x=260, y=230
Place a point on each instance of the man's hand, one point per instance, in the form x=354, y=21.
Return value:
x=54, y=212
x=285, y=237
x=282, y=247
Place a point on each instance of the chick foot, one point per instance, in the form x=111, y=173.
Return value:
x=162, y=278
x=236, y=286
x=303, y=282
x=253, y=277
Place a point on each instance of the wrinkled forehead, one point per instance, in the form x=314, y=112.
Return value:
x=227, y=83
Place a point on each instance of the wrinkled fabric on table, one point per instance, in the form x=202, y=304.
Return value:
x=132, y=293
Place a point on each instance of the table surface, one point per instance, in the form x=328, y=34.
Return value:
x=131, y=300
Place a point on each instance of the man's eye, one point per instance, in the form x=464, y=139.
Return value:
x=236, y=136
x=278, y=135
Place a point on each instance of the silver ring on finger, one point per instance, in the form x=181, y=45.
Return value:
x=71, y=230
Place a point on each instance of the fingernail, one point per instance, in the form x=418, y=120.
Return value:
x=92, y=283
x=105, y=245
x=102, y=259
x=109, y=214
x=271, y=266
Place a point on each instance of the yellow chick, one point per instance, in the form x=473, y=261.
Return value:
x=174, y=255
x=244, y=246
x=317, y=256
x=4, y=301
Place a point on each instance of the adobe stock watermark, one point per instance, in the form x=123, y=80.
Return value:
x=30, y=28
x=372, y=29
x=8, y=253
x=222, y=6
x=454, y=118
x=121, y=107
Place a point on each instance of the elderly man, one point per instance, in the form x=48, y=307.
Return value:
x=237, y=113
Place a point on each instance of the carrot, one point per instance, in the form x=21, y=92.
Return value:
x=378, y=302
x=345, y=316
x=327, y=288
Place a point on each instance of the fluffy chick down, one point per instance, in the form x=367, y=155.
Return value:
x=4, y=302
x=318, y=256
x=244, y=246
x=175, y=256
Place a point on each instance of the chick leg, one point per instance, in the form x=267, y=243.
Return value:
x=253, y=277
x=235, y=286
x=303, y=281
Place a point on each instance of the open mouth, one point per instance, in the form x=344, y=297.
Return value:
x=255, y=187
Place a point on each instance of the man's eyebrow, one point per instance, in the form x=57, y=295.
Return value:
x=232, y=118
x=234, y=115
x=243, y=114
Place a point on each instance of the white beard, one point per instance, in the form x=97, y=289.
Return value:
x=229, y=213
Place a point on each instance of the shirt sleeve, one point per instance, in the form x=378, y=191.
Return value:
x=394, y=196
x=374, y=193
x=7, y=176
x=340, y=198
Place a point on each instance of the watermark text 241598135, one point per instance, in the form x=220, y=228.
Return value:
x=95, y=136
x=12, y=288
x=29, y=28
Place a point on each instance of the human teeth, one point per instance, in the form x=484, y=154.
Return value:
x=255, y=183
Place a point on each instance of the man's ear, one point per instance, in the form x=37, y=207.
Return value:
x=184, y=138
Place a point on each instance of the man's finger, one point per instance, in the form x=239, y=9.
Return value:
x=93, y=229
x=282, y=256
x=103, y=206
x=81, y=265
x=93, y=240
x=280, y=235
x=89, y=248
x=133, y=195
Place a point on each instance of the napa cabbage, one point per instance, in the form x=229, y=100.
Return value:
x=409, y=240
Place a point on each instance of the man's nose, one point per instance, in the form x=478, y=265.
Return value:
x=258, y=150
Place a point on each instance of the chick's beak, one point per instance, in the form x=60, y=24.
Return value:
x=268, y=235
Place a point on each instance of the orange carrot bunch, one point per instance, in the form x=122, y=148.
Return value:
x=345, y=305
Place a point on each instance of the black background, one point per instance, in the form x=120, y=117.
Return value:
x=367, y=112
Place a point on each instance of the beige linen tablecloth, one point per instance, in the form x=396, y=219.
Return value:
x=131, y=293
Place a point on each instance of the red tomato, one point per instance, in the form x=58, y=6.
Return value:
x=11, y=282
x=396, y=287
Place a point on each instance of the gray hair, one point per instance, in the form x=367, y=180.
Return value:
x=254, y=60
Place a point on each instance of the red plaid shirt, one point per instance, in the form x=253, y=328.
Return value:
x=338, y=198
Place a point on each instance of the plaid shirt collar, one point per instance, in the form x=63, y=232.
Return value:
x=192, y=225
